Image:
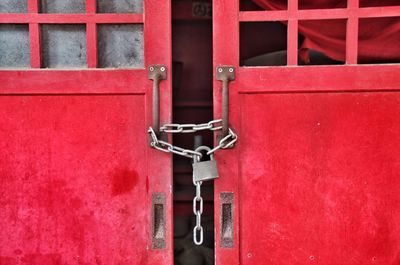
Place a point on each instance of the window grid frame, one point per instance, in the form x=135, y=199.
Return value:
x=90, y=19
x=352, y=14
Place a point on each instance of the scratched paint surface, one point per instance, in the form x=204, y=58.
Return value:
x=320, y=179
x=73, y=180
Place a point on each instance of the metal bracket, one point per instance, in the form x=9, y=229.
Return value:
x=157, y=73
x=225, y=74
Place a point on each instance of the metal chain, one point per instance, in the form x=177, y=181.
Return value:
x=226, y=142
x=198, y=211
x=191, y=128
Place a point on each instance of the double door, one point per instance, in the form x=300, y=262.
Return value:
x=313, y=177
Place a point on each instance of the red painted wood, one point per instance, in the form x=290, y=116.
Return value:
x=33, y=6
x=76, y=172
x=226, y=52
x=66, y=82
x=314, y=171
x=91, y=39
x=352, y=33
x=317, y=78
x=34, y=42
x=319, y=14
x=319, y=178
x=292, y=33
x=71, y=18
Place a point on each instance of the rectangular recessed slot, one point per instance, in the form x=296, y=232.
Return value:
x=158, y=221
x=120, y=6
x=263, y=44
x=63, y=46
x=379, y=40
x=322, y=49
x=14, y=46
x=227, y=220
x=62, y=6
x=13, y=6
x=120, y=46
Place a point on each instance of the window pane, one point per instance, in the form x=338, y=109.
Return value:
x=14, y=46
x=257, y=48
x=379, y=40
x=13, y=6
x=62, y=6
x=120, y=46
x=63, y=46
x=120, y=6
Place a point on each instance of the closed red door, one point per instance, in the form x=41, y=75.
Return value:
x=79, y=183
x=314, y=177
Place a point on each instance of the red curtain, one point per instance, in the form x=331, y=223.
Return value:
x=379, y=38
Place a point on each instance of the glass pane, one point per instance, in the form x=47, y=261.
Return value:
x=13, y=6
x=63, y=46
x=120, y=46
x=62, y=6
x=379, y=40
x=328, y=47
x=250, y=5
x=14, y=46
x=321, y=4
x=120, y=6
x=258, y=48
x=369, y=3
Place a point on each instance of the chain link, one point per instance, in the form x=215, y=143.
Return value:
x=191, y=128
x=226, y=142
x=198, y=211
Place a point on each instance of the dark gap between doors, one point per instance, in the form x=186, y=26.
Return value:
x=192, y=103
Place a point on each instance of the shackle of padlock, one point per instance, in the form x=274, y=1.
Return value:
x=204, y=170
x=199, y=150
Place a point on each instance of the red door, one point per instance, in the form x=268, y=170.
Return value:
x=79, y=183
x=314, y=177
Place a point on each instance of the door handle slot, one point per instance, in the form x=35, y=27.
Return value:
x=227, y=227
x=158, y=221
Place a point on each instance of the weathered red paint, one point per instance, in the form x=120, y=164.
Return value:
x=315, y=169
x=76, y=171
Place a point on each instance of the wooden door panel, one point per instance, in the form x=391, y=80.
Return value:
x=78, y=180
x=73, y=179
x=314, y=171
x=319, y=178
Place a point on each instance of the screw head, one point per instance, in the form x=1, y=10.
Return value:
x=230, y=70
x=162, y=69
x=220, y=70
x=151, y=68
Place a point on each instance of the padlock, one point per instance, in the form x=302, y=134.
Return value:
x=204, y=170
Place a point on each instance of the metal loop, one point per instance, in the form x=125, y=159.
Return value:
x=195, y=239
x=226, y=142
x=195, y=210
x=198, y=219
